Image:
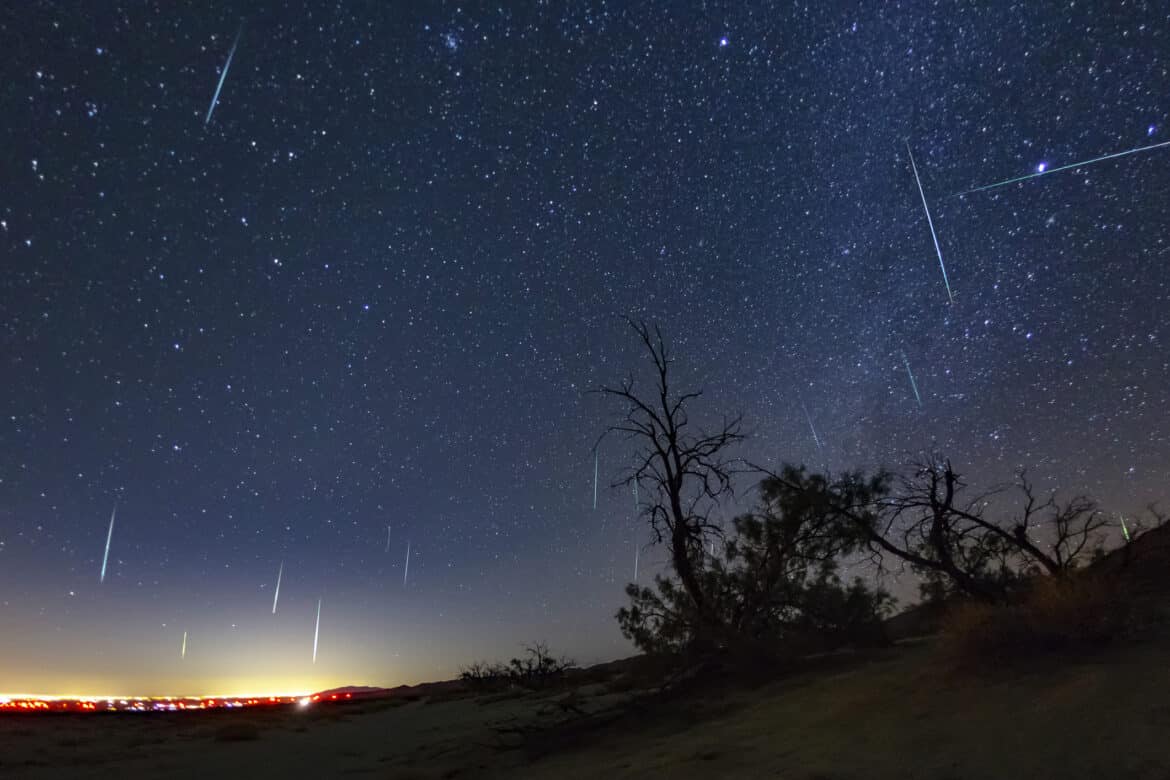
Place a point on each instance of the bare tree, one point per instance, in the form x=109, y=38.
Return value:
x=929, y=520
x=683, y=471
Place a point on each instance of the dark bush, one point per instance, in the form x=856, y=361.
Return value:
x=1057, y=615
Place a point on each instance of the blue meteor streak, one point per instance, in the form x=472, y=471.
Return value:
x=276, y=596
x=223, y=76
x=930, y=222
x=109, y=538
x=808, y=416
x=913, y=384
x=1045, y=171
x=595, y=455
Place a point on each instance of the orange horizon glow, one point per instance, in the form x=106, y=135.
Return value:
x=33, y=703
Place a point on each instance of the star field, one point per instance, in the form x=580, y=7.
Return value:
x=375, y=287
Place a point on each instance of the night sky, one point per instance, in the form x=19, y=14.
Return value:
x=374, y=290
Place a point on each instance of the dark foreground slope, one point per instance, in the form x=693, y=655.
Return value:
x=895, y=713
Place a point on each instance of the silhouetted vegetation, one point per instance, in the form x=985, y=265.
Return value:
x=1007, y=555
x=958, y=541
x=776, y=581
x=537, y=668
x=1057, y=615
x=682, y=471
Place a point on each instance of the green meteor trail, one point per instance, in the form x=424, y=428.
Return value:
x=913, y=384
x=1113, y=156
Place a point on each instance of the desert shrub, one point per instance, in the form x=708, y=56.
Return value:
x=1057, y=615
x=538, y=666
x=535, y=669
x=776, y=583
x=483, y=675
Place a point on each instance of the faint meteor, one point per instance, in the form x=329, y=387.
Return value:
x=1046, y=171
x=637, y=550
x=930, y=222
x=276, y=596
x=595, y=456
x=317, y=631
x=387, y=538
x=808, y=417
x=223, y=76
x=913, y=384
x=1124, y=529
x=406, y=569
x=183, y=652
x=109, y=538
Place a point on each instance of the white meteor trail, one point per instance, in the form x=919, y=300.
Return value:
x=222, y=77
x=387, y=538
x=406, y=569
x=109, y=538
x=595, y=456
x=276, y=596
x=913, y=384
x=636, y=551
x=808, y=417
x=317, y=631
x=930, y=222
x=1047, y=171
x=183, y=652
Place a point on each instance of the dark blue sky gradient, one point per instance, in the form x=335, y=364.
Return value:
x=376, y=287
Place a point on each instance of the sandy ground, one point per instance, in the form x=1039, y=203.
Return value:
x=894, y=714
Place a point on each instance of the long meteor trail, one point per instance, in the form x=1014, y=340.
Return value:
x=406, y=569
x=276, y=596
x=317, y=631
x=1083, y=163
x=387, y=538
x=222, y=77
x=595, y=456
x=109, y=538
x=183, y=652
x=930, y=222
x=913, y=384
x=808, y=417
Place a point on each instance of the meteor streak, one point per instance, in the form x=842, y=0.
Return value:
x=1046, y=171
x=1124, y=528
x=276, y=596
x=913, y=384
x=930, y=222
x=223, y=76
x=387, y=538
x=808, y=417
x=183, y=652
x=109, y=537
x=317, y=631
x=636, y=551
x=595, y=456
x=406, y=570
